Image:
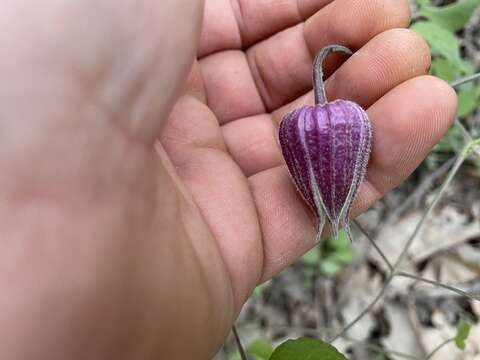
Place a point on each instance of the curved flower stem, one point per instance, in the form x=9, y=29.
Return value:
x=318, y=84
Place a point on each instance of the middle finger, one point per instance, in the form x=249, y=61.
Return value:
x=278, y=69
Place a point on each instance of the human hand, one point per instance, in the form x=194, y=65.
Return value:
x=123, y=247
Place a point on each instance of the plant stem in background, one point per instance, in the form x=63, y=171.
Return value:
x=241, y=350
x=447, y=182
x=387, y=352
x=458, y=163
x=457, y=83
x=379, y=251
x=364, y=312
x=436, y=283
x=439, y=347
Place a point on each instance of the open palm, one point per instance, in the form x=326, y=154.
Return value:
x=126, y=231
x=255, y=64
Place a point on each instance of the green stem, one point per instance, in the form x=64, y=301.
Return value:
x=473, y=147
x=466, y=135
x=318, y=84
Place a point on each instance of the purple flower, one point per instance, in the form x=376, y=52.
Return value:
x=327, y=148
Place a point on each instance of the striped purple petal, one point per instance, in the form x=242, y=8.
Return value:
x=326, y=148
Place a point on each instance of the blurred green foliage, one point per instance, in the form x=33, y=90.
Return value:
x=438, y=26
x=257, y=350
x=306, y=349
x=452, y=17
x=463, y=330
x=332, y=256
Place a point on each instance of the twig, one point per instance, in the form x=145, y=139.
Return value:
x=241, y=350
x=365, y=311
x=434, y=351
x=381, y=351
x=463, y=130
x=451, y=175
x=436, y=283
x=457, y=83
x=421, y=190
x=473, y=290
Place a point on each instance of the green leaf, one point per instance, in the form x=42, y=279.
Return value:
x=468, y=101
x=258, y=350
x=235, y=356
x=340, y=250
x=258, y=291
x=330, y=267
x=463, y=330
x=453, y=141
x=333, y=254
x=306, y=349
x=345, y=256
x=443, y=43
x=311, y=257
x=452, y=17
x=261, y=349
x=444, y=69
x=341, y=242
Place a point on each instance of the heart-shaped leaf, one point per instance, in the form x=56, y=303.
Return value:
x=452, y=17
x=306, y=349
x=443, y=43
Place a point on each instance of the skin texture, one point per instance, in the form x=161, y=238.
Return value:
x=142, y=198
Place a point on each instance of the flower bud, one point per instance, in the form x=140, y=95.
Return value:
x=326, y=148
